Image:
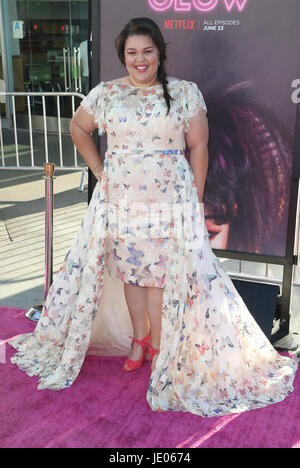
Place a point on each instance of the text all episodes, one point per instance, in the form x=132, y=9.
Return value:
x=197, y=25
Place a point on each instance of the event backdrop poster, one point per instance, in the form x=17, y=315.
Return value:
x=244, y=56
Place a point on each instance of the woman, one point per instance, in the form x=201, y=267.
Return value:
x=248, y=181
x=142, y=262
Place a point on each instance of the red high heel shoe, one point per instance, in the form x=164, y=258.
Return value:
x=152, y=352
x=129, y=364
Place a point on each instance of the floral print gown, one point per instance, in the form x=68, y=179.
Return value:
x=214, y=358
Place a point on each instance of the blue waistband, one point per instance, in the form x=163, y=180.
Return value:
x=146, y=150
x=170, y=151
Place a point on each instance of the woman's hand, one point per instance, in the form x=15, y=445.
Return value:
x=97, y=171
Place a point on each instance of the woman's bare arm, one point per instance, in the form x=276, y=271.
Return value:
x=197, y=140
x=82, y=127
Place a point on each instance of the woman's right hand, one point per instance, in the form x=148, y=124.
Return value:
x=98, y=172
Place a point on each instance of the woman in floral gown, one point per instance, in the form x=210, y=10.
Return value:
x=142, y=262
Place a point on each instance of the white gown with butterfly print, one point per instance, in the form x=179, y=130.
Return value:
x=214, y=358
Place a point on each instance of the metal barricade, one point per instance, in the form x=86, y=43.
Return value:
x=13, y=126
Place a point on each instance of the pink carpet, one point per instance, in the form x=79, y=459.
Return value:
x=107, y=408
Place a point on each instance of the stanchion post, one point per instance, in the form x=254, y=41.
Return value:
x=35, y=312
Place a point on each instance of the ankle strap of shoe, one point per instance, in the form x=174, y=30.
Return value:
x=143, y=342
x=152, y=351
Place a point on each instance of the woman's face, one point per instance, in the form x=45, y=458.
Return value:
x=218, y=233
x=141, y=60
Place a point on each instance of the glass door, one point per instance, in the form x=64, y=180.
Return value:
x=49, y=38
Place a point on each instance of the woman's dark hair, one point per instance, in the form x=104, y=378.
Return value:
x=248, y=179
x=146, y=27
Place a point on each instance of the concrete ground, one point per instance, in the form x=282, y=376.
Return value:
x=22, y=231
x=22, y=236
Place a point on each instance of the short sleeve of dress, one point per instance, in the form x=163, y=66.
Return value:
x=193, y=102
x=95, y=103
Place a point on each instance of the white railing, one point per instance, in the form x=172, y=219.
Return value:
x=266, y=278
x=58, y=133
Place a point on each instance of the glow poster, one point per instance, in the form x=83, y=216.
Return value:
x=244, y=56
